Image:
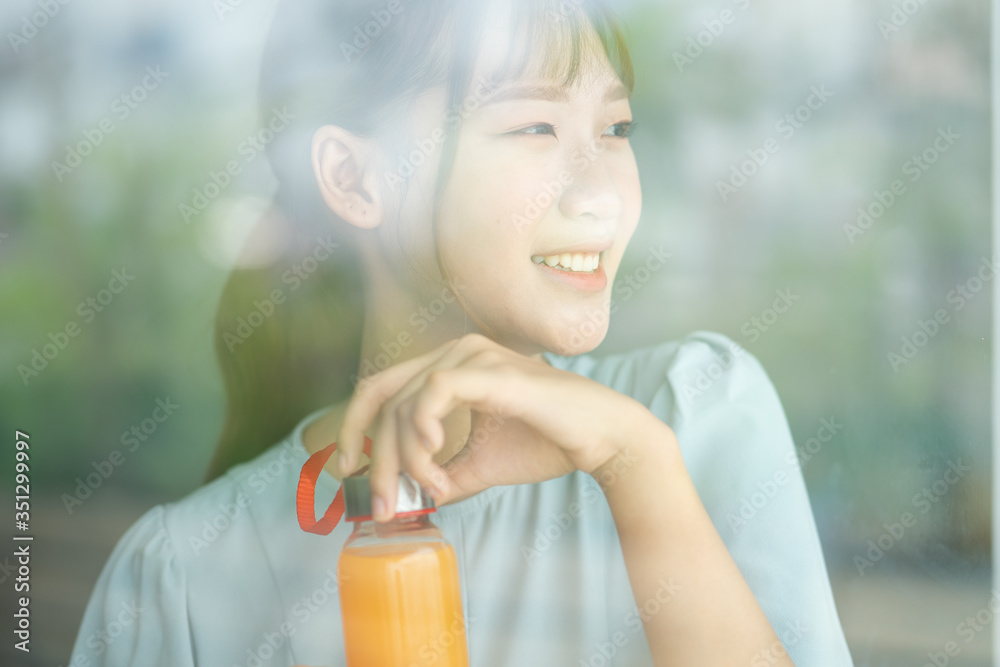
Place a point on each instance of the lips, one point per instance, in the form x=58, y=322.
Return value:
x=593, y=280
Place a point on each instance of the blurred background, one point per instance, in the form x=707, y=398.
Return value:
x=831, y=155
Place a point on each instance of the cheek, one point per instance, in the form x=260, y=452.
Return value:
x=490, y=209
x=503, y=187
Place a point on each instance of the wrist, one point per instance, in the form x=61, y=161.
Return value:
x=647, y=448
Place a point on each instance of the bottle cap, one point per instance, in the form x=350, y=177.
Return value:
x=410, y=497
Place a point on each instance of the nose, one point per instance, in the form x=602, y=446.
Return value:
x=592, y=193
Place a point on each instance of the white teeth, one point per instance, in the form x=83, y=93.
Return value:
x=576, y=262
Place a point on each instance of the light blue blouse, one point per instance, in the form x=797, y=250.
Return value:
x=225, y=577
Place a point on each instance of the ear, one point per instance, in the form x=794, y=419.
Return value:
x=349, y=187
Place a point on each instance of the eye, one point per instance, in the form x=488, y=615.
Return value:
x=622, y=130
x=539, y=129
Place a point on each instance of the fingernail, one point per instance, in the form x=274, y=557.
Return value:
x=426, y=443
x=378, y=507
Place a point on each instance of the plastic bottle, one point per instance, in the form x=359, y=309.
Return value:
x=400, y=596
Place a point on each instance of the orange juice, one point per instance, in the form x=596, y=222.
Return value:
x=401, y=604
x=400, y=596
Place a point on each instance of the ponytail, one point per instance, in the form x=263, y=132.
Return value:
x=287, y=340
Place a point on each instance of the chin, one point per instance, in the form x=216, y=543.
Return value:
x=580, y=337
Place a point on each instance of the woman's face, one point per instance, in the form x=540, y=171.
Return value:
x=538, y=207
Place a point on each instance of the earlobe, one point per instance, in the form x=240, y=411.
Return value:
x=340, y=161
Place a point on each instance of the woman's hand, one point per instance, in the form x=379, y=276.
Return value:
x=530, y=422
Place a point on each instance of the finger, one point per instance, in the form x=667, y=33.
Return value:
x=369, y=396
x=383, y=475
x=415, y=458
x=428, y=432
x=477, y=388
x=365, y=406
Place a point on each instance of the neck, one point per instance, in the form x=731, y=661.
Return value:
x=402, y=324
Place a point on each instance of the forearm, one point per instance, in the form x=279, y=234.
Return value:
x=696, y=606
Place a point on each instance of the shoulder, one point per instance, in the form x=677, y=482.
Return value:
x=176, y=533
x=685, y=375
x=228, y=508
x=713, y=393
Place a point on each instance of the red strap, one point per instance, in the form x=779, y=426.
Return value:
x=305, y=495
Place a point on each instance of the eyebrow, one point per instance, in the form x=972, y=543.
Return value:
x=549, y=94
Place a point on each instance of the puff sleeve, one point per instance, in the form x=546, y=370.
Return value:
x=738, y=448
x=137, y=614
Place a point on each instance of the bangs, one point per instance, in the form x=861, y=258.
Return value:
x=556, y=39
x=551, y=40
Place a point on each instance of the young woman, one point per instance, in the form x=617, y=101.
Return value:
x=463, y=177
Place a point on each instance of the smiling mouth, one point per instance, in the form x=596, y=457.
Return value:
x=577, y=262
